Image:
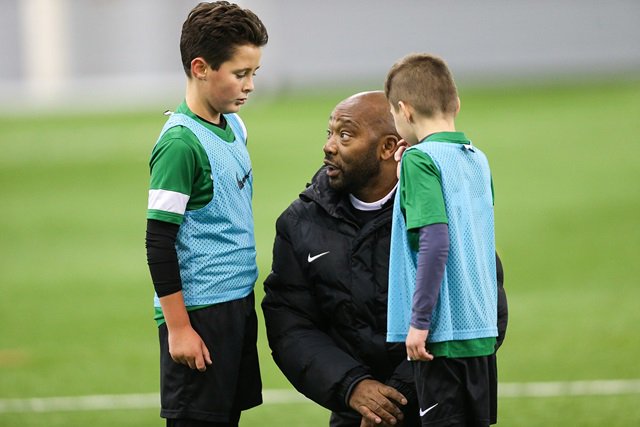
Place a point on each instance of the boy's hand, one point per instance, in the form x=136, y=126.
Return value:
x=186, y=347
x=401, y=146
x=377, y=403
x=416, y=343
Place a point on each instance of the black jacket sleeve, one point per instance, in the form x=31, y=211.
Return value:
x=309, y=358
x=503, y=309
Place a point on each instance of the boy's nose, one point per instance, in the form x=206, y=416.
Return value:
x=248, y=87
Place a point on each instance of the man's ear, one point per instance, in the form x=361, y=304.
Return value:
x=199, y=68
x=458, y=107
x=388, y=147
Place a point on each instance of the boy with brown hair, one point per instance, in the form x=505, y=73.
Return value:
x=442, y=274
x=200, y=239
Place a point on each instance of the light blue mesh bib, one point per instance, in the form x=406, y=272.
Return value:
x=216, y=243
x=467, y=304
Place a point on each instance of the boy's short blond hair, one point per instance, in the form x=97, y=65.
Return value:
x=424, y=82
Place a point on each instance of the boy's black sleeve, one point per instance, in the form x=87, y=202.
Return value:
x=162, y=257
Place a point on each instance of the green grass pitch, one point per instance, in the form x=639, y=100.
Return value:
x=75, y=295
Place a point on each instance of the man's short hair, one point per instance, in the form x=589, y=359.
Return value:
x=424, y=82
x=214, y=30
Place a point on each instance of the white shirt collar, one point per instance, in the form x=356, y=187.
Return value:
x=371, y=206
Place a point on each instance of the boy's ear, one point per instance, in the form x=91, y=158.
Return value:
x=406, y=110
x=458, y=107
x=199, y=68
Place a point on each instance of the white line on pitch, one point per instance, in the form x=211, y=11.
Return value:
x=569, y=388
x=122, y=401
x=287, y=396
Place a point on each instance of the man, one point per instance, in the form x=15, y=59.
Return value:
x=326, y=297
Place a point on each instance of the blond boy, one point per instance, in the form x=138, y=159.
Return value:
x=442, y=273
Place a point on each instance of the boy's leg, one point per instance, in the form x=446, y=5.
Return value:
x=249, y=383
x=493, y=381
x=441, y=398
x=177, y=422
x=232, y=383
x=482, y=390
x=457, y=391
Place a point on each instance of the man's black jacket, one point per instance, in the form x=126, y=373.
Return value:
x=325, y=303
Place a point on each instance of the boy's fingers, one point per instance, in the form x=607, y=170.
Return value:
x=207, y=355
x=398, y=154
x=200, y=366
x=191, y=363
x=424, y=355
x=427, y=355
x=418, y=352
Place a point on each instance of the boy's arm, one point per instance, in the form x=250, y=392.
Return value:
x=185, y=345
x=423, y=203
x=433, y=252
x=172, y=168
x=162, y=257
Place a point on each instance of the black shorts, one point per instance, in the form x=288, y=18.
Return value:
x=232, y=383
x=457, y=391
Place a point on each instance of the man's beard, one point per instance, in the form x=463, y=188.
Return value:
x=357, y=175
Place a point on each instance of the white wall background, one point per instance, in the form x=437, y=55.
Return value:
x=125, y=52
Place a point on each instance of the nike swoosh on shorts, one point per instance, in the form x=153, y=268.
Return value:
x=423, y=413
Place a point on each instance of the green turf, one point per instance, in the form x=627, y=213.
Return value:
x=75, y=297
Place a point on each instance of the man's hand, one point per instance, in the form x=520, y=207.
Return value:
x=377, y=403
x=365, y=422
x=186, y=347
x=416, y=343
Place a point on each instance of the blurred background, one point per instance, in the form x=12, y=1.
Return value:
x=119, y=53
x=550, y=90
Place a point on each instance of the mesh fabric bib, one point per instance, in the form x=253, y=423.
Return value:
x=216, y=243
x=467, y=303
